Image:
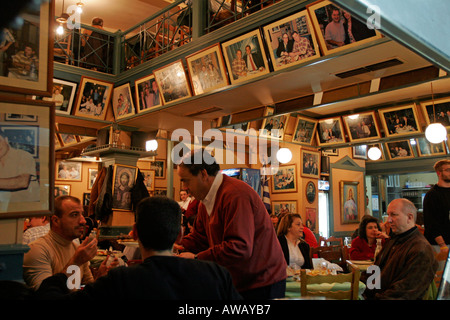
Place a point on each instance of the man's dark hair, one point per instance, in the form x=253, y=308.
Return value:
x=158, y=222
x=198, y=160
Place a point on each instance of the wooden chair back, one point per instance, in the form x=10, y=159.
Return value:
x=330, y=241
x=333, y=254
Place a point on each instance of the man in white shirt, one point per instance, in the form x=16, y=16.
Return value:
x=185, y=200
x=334, y=31
x=37, y=227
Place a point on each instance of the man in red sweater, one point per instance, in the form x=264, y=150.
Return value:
x=234, y=229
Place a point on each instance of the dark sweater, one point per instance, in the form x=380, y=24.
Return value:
x=436, y=214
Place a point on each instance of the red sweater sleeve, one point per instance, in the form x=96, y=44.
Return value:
x=361, y=250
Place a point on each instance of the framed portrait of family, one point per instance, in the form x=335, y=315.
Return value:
x=398, y=150
x=437, y=111
x=207, y=70
x=285, y=179
x=291, y=40
x=273, y=126
x=337, y=29
x=330, y=131
x=68, y=170
x=28, y=64
x=362, y=126
x=93, y=98
x=124, y=179
x=149, y=179
x=245, y=57
x=63, y=95
x=427, y=149
x=28, y=152
x=122, y=102
x=173, y=82
x=398, y=121
x=305, y=129
x=310, y=163
x=280, y=208
x=147, y=94
x=349, y=192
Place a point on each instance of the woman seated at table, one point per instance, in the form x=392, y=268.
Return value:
x=290, y=234
x=364, y=245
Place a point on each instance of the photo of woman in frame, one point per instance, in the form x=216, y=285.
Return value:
x=349, y=202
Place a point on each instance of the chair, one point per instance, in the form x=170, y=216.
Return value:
x=333, y=254
x=62, y=48
x=351, y=294
x=328, y=242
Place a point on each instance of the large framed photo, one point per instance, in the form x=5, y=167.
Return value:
x=93, y=98
x=362, y=126
x=274, y=126
x=427, y=149
x=27, y=159
x=310, y=163
x=122, y=102
x=281, y=208
x=147, y=94
x=399, y=121
x=124, y=179
x=437, y=111
x=207, y=70
x=63, y=95
x=330, y=131
x=305, y=130
x=291, y=40
x=172, y=82
x=337, y=29
x=245, y=57
x=149, y=179
x=68, y=170
x=27, y=52
x=285, y=179
x=399, y=150
x=349, y=191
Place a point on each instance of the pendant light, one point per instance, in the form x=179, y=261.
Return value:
x=435, y=132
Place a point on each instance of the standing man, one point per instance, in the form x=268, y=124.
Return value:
x=233, y=229
x=185, y=200
x=436, y=208
x=37, y=227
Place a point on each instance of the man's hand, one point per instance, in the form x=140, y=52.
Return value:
x=107, y=264
x=85, y=252
x=187, y=255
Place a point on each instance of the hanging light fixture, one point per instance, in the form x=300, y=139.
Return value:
x=62, y=19
x=284, y=155
x=374, y=153
x=435, y=132
x=80, y=5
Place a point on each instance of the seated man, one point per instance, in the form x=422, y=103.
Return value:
x=406, y=262
x=161, y=275
x=37, y=227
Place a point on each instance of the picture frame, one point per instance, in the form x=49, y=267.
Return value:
x=159, y=166
x=63, y=94
x=68, y=139
x=349, y=193
x=124, y=179
x=93, y=98
x=173, y=82
x=207, y=70
x=331, y=26
x=86, y=198
x=20, y=117
x=122, y=102
x=427, y=149
x=285, y=179
x=362, y=126
x=400, y=121
x=310, y=192
x=68, y=170
x=147, y=93
x=398, y=150
x=291, y=40
x=281, y=208
x=311, y=219
x=62, y=190
x=38, y=162
x=273, y=126
x=92, y=175
x=442, y=109
x=310, y=161
x=330, y=152
x=23, y=137
x=149, y=179
x=237, y=51
x=225, y=120
x=305, y=130
x=360, y=152
x=330, y=131
x=34, y=39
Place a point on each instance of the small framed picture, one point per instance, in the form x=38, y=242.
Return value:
x=148, y=95
x=427, y=149
x=399, y=150
x=398, y=121
x=92, y=175
x=63, y=95
x=62, y=190
x=68, y=139
x=68, y=170
x=362, y=126
x=245, y=57
x=207, y=70
x=172, y=82
x=149, y=179
x=281, y=208
x=122, y=102
x=305, y=129
x=437, y=111
x=310, y=192
x=159, y=166
x=310, y=163
x=86, y=198
x=93, y=98
x=311, y=219
x=330, y=131
x=349, y=201
x=360, y=152
x=285, y=179
x=330, y=152
x=291, y=40
x=274, y=126
x=124, y=179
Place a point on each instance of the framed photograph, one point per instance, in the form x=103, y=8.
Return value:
x=149, y=179
x=62, y=190
x=437, y=111
x=159, y=166
x=28, y=151
x=362, y=126
x=379, y=146
x=349, y=201
x=63, y=94
x=285, y=180
x=124, y=179
x=399, y=121
x=281, y=208
x=68, y=170
x=399, y=150
x=274, y=126
x=147, y=94
x=310, y=163
x=330, y=152
x=122, y=102
x=360, y=152
x=337, y=29
x=207, y=70
x=27, y=66
x=20, y=117
x=172, y=82
x=225, y=120
x=291, y=40
x=160, y=192
x=58, y=143
x=93, y=98
x=427, y=149
x=92, y=175
x=310, y=192
x=305, y=130
x=311, y=219
x=86, y=198
x=330, y=131
x=68, y=139
x=245, y=57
